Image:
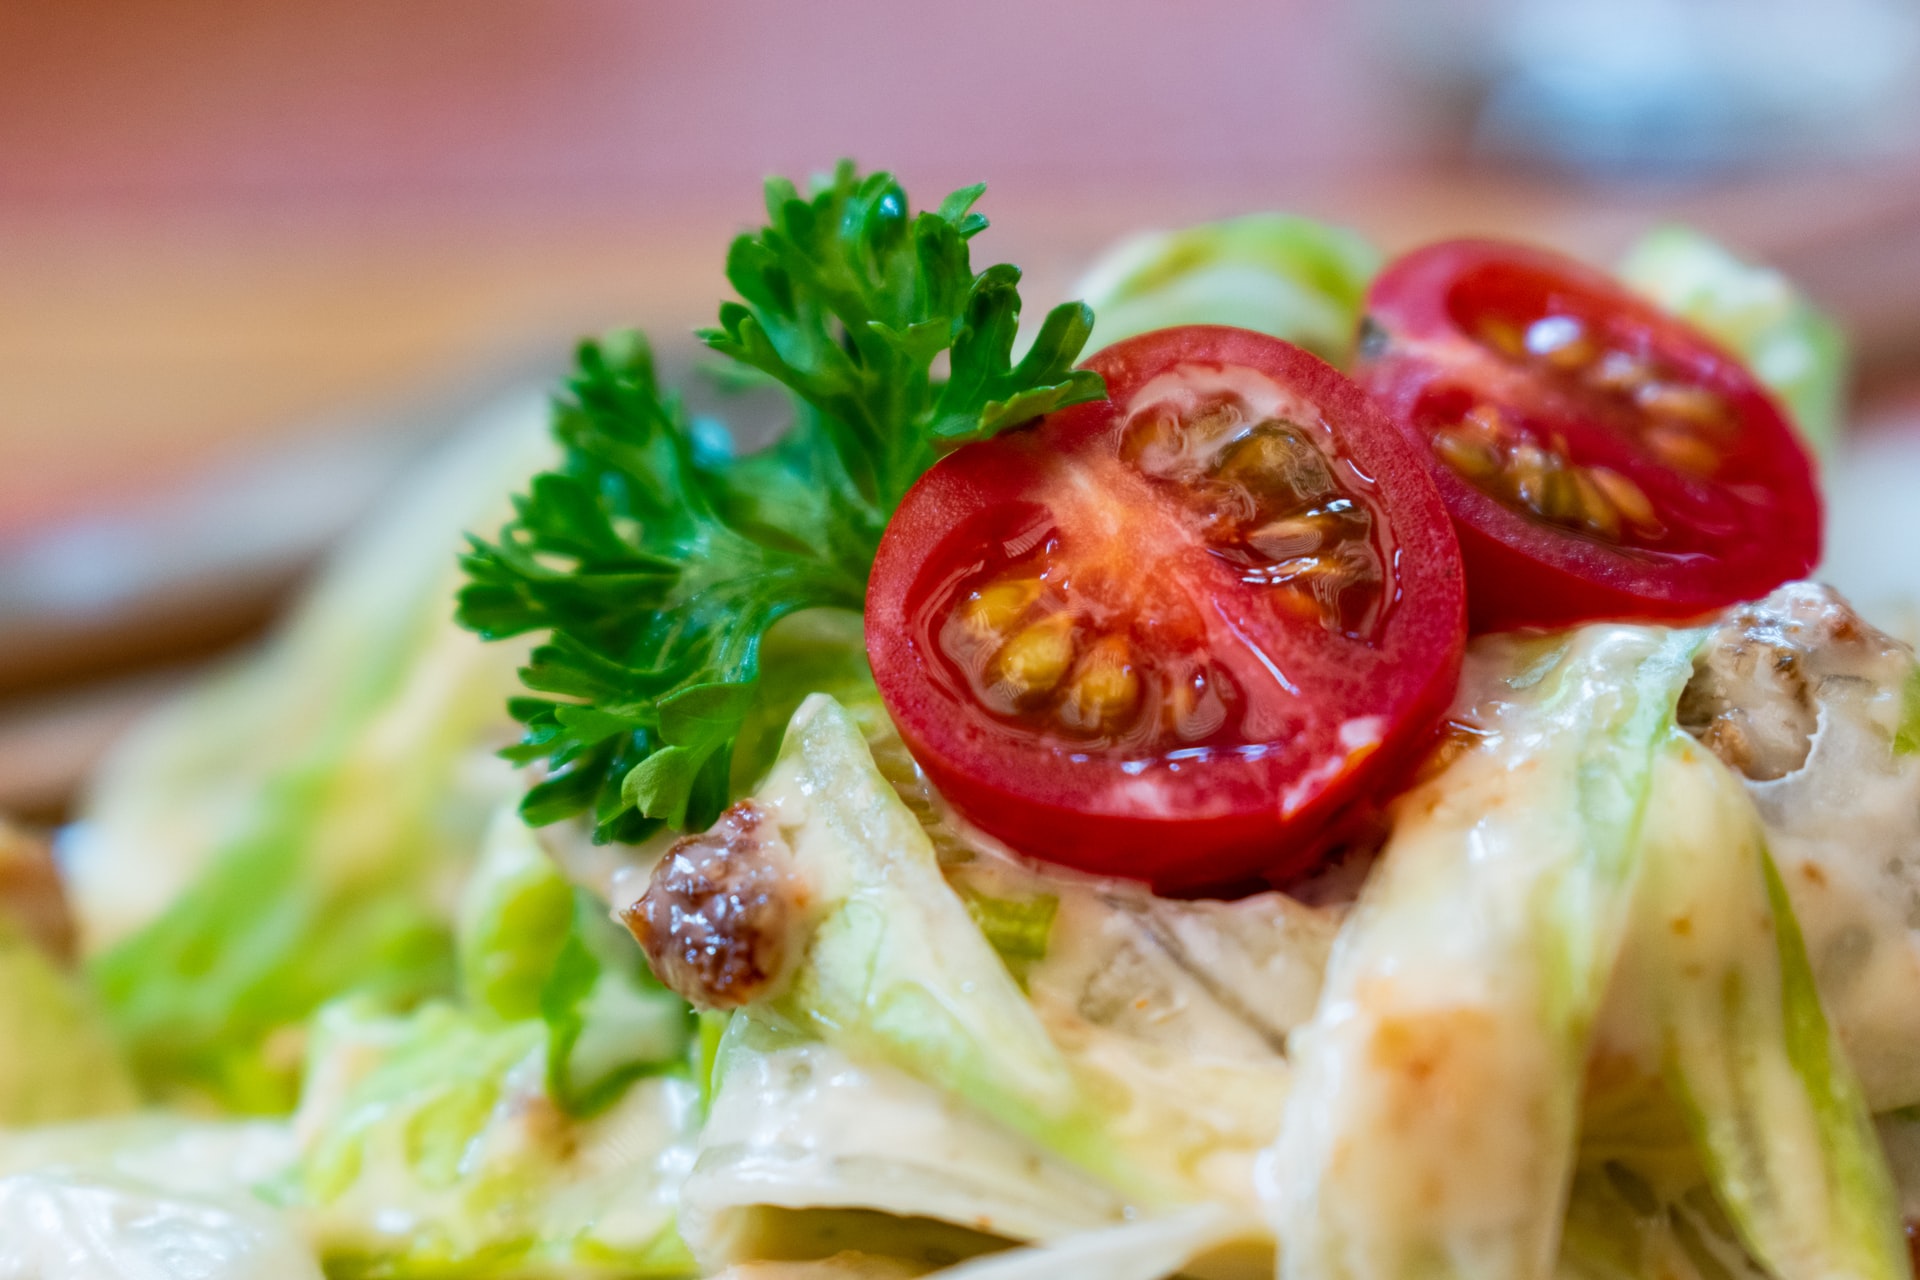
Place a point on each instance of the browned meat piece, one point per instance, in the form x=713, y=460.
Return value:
x=31, y=898
x=720, y=915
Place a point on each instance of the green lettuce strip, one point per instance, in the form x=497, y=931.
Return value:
x=1774, y=1109
x=1292, y=277
x=58, y=1060
x=897, y=970
x=1431, y=1131
x=1757, y=314
x=1626, y=1221
x=430, y=1146
x=323, y=870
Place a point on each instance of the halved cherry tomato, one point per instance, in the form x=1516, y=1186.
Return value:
x=1167, y=636
x=1601, y=458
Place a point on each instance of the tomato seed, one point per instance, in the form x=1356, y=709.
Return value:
x=1470, y=457
x=1277, y=457
x=1561, y=342
x=1618, y=372
x=1032, y=664
x=1597, y=511
x=1560, y=496
x=1626, y=496
x=1527, y=471
x=1485, y=422
x=1152, y=441
x=1502, y=335
x=1681, y=449
x=992, y=611
x=1193, y=707
x=1331, y=573
x=1105, y=690
x=1695, y=406
x=1268, y=500
x=1294, y=536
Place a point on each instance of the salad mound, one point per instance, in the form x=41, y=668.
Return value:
x=1345, y=782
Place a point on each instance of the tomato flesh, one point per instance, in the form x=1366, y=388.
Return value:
x=1600, y=458
x=1168, y=636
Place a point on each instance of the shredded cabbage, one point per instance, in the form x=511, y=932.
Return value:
x=146, y=1198
x=1433, y=1119
x=1294, y=278
x=1757, y=314
x=1147, y=1250
x=801, y=1126
x=1775, y=1111
x=895, y=970
x=430, y=1146
x=1635, y=1223
x=312, y=832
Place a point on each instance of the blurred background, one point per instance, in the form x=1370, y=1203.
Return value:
x=256, y=256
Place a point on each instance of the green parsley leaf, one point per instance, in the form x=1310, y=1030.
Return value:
x=656, y=567
x=848, y=299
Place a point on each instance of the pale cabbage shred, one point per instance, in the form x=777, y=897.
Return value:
x=1434, y=1124
x=1076, y=1123
x=1765, y=1089
x=1535, y=835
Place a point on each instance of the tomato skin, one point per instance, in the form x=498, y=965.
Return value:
x=1212, y=820
x=1522, y=573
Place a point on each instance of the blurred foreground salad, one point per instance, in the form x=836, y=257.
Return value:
x=1622, y=981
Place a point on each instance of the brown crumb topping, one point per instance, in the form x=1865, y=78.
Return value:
x=720, y=916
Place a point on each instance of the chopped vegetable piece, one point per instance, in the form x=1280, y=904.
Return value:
x=58, y=1059
x=609, y=1021
x=1166, y=637
x=1776, y=1112
x=1623, y=1225
x=1754, y=312
x=1600, y=458
x=515, y=914
x=1906, y=739
x=1437, y=1091
x=280, y=887
x=1290, y=277
x=429, y=1147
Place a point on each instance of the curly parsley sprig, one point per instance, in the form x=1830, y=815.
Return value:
x=656, y=572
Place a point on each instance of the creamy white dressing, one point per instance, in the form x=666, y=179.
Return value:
x=1432, y=1119
x=1168, y=1018
x=1845, y=832
x=1844, y=827
x=1175, y=1016
x=65, y=1227
x=798, y=1124
x=147, y=1198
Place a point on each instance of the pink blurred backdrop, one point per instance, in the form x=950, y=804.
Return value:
x=363, y=103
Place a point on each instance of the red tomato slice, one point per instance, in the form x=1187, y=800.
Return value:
x=1601, y=458
x=1168, y=636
